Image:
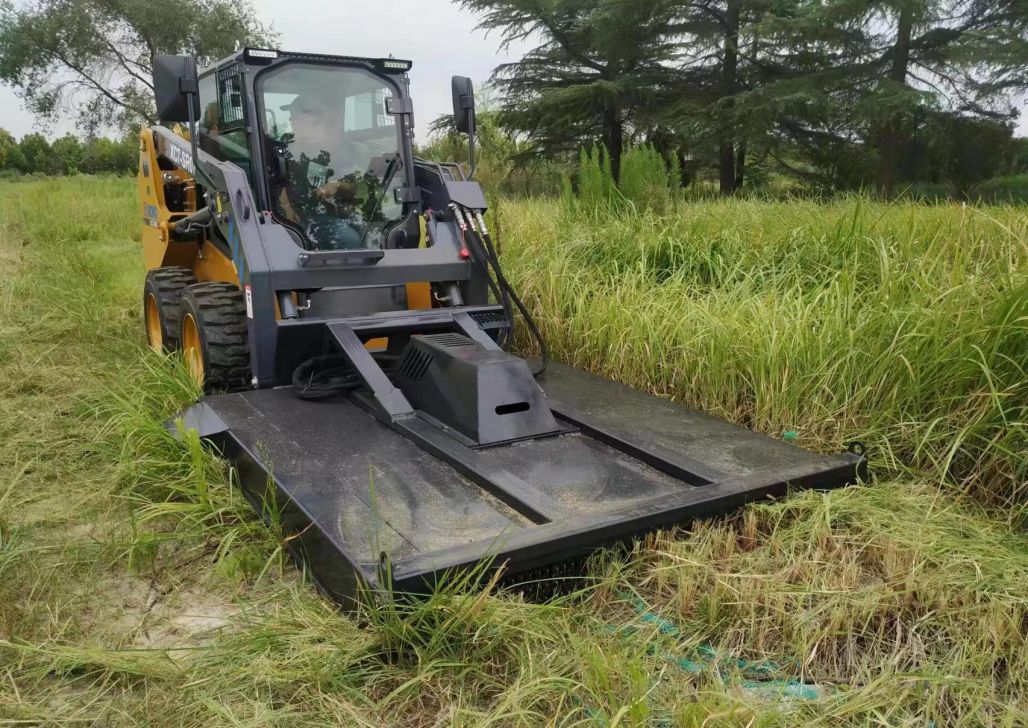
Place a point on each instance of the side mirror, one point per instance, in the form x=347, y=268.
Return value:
x=174, y=82
x=463, y=104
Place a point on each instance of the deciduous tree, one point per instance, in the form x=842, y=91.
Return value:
x=10, y=155
x=95, y=57
x=36, y=155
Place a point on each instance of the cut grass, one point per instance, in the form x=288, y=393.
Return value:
x=136, y=588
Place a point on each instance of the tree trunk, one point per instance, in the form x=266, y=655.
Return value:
x=729, y=73
x=727, y=164
x=613, y=139
x=889, y=147
x=740, y=164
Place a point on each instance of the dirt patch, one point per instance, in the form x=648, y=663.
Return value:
x=143, y=613
x=185, y=618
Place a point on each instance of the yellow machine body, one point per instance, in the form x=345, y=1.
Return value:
x=206, y=260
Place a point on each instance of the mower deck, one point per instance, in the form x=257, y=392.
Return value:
x=358, y=495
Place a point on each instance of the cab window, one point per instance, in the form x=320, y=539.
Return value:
x=222, y=127
x=336, y=153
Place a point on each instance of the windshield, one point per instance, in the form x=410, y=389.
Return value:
x=337, y=152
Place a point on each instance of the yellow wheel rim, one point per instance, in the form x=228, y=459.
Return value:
x=191, y=348
x=154, y=335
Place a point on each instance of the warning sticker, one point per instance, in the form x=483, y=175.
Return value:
x=249, y=301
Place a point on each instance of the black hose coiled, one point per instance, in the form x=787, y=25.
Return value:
x=330, y=375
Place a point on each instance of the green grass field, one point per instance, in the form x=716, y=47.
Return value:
x=136, y=587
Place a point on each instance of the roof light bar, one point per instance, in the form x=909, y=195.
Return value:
x=391, y=64
x=263, y=54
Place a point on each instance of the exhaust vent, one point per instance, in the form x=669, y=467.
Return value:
x=450, y=341
x=415, y=363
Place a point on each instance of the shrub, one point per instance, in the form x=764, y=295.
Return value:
x=1012, y=189
x=595, y=181
x=645, y=181
x=929, y=192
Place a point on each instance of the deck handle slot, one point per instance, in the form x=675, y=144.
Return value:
x=512, y=408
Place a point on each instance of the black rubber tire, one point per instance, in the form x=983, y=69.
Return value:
x=220, y=315
x=167, y=285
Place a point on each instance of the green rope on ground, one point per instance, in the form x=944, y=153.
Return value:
x=706, y=655
x=760, y=673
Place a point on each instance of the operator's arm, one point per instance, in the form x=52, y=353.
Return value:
x=285, y=206
x=328, y=190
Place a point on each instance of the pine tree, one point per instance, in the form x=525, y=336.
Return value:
x=876, y=67
x=600, y=69
x=731, y=92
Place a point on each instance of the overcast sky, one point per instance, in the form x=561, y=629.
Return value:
x=439, y=37
x=435, y=34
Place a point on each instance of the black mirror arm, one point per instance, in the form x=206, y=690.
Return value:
x=471, y=143
x=199, y=173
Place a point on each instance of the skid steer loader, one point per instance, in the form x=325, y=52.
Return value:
x=343, y=305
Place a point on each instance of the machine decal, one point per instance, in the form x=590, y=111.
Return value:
x=249, y=301
x=181, y=158
x=150, y=215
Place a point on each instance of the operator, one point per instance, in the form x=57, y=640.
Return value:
x=325, y=192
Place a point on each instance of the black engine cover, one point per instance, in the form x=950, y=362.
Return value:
x=487, y=395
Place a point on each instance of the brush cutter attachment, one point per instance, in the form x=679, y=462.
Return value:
x=397, y=506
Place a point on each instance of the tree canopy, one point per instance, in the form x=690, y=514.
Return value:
x=94, y=58
x=836, y=91
x=882, y=68
x=34, y=154
x=599, y=70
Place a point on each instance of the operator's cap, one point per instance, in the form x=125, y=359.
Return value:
x=299, y=104
x=322, y=100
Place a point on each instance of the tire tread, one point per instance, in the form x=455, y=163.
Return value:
x=221, y=316
x=169, y=283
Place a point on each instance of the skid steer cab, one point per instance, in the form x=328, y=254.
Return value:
x=343, y=307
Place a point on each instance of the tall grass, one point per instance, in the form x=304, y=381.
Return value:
x=137, y=589
x=899, y=325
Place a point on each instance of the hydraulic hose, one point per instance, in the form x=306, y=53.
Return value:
x=482, y=258
x=330, y=375
x=196, y=221
x=505, y=286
